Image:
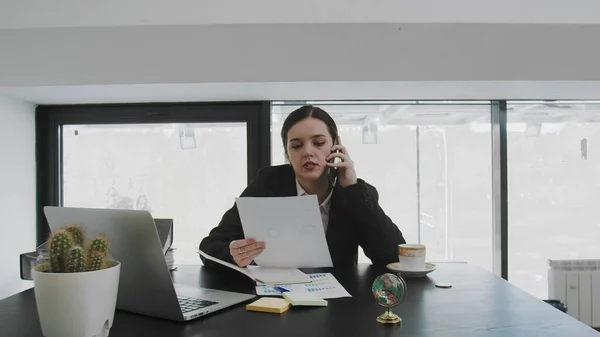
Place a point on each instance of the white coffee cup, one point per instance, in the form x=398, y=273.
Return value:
x=412, y=256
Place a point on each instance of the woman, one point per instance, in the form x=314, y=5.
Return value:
x=349, y=206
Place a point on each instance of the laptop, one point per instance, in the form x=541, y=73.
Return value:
x=145, y=283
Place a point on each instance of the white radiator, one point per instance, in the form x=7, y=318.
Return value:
x=576, y=283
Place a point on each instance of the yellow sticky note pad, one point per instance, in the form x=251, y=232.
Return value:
x=269, y=304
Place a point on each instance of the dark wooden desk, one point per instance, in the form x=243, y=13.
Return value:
x=478, y=304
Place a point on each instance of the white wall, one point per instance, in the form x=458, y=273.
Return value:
x=17, y=190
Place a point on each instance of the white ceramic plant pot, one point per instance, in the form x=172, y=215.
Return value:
x=76, y=304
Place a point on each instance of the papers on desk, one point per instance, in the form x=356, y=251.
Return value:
x=291, y=228
x=264, y=275
x=323, y=284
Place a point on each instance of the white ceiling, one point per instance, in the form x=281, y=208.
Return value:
x=299, y=53
x=110, y=13
x=68, y=51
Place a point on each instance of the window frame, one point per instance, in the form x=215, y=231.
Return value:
x=50, y=119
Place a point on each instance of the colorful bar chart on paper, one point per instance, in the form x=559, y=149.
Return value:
x=323, y=284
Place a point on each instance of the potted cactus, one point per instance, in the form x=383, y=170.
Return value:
x=76, y=290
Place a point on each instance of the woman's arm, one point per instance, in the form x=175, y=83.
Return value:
x=377, y=234
x=217, y=242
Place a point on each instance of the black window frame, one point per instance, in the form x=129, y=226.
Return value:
x=49, y=120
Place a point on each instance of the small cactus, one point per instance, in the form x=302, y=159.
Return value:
x=95, y=261
x=77, y=234
x=75, y=260
x=99, y=245
x=60, y=243
x=67, y=254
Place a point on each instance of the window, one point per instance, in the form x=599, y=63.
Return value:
x=185, y=162
x=172, y=171
x=430, y=161
x=431, y=164
x=553, y=170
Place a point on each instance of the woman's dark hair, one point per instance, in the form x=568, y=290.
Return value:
x=303, y=113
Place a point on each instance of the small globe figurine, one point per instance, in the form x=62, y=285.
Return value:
x=389, y=291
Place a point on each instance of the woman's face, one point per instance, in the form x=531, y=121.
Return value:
x=308, y=144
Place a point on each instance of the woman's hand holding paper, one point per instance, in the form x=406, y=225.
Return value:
x=244, y=251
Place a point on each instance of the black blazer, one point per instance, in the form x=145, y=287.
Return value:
x=355, y=219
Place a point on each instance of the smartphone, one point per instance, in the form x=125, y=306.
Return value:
x=332, y=171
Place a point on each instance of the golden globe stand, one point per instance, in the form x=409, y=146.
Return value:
x=389, y=317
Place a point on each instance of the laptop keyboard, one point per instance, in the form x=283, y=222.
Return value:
x=189, y=304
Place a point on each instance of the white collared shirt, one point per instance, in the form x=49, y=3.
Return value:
x=324, y=207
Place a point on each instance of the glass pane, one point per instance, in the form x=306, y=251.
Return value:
x=552, y=193
x=174, y=171
x=445, y=148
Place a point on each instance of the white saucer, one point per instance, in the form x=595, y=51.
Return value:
x=429, y=267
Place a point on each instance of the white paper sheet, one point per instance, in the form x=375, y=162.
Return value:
x=291, y=228
x=323, y=284
x=265, y=275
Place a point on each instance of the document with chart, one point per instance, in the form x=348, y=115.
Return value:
x=323, y=284
x=291, y=228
